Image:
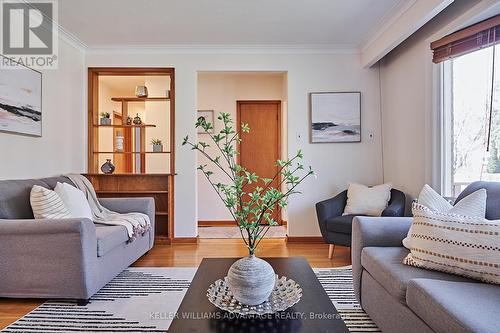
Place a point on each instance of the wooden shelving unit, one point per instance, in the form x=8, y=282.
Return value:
x=131, y=152
x=139, y=99
x=125, y=126
x=130, y=181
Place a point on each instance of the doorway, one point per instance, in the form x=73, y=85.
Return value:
x=261, y=147
x=256, y=98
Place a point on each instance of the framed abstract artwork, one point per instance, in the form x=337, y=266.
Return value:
x=20, y=99
x=209, y=117
x=335, y=117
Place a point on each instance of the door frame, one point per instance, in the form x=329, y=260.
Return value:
x=238, y=129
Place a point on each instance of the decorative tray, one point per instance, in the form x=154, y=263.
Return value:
x=286, y=293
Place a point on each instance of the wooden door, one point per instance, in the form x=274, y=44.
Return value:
x=260, y=148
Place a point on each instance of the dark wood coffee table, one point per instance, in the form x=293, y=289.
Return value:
x=313, y=313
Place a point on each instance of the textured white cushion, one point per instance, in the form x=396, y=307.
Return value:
x=455, y=244
x=364, y=200
x=46, y=204
x=473, y=205
x=74, y=200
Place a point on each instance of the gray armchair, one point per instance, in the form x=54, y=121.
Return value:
x=336, y=228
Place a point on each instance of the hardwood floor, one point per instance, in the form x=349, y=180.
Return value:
x=190, y=255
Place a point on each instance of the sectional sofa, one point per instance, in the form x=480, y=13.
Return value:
x=401, y=298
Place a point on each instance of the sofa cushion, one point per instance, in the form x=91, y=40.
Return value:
x=52, y=181
x=386, y=266
x=15, y=198
x=455, y=306
x=342, y=224
x=109, y=237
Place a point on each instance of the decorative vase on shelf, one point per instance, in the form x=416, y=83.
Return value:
x=251, y=280
x=141, y=91
x=157, y=148
x=108, y=167
x=105, y=121
x=137, y=120
x=129, y=120
x=119, y=141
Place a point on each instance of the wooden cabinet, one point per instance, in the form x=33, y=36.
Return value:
x=157, y=186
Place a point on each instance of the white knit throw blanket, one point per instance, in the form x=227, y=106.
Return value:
x=136, y=223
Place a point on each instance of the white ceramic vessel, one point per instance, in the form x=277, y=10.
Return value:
x=251, y=280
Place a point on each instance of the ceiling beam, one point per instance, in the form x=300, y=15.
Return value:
x=410, y=17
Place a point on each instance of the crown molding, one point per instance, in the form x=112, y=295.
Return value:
x=387, y=21
x=225, y=49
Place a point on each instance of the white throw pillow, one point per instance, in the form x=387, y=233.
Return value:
x=364, y=200
x=455, y=244
x=74, y=200
x=473, y=205
x=46, y=204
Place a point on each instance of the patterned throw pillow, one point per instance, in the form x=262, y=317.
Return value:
x=455, y=244
x=473, y=205
x=47, y=204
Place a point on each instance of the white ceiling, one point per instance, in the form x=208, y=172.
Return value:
x=342, y=23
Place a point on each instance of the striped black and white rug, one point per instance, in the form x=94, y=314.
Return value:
x=146, y=300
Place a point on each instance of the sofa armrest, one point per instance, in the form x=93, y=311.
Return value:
x=374, y=231
x=397, y=204
x=330, y=208
x=133, y=205
x=46, y=258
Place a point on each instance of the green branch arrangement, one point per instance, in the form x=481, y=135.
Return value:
x=251, y=209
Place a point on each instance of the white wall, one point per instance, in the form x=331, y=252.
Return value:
x=408, y=92
x=219, y=92
x=63, y=145
x=336, y=164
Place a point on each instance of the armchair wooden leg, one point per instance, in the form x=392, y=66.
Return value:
x=331, y=249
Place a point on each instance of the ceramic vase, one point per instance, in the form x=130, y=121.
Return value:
x=108, y=167
x=251, y=280
x=157, y=148
x=105, y=121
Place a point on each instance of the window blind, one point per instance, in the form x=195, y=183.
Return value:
x=470, y=39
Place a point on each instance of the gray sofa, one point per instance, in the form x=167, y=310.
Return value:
x=67, y=258
x=401, y=298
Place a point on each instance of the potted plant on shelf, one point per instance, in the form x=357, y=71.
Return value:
x=250, y=279
x=157, y=145
x=105, y=118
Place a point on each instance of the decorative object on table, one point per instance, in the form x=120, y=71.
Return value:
x=119, y=139
x=250, y=210
x=247, y=289
x=105, y=118
x=20, y=99
x=137, y=120
x=335, y=117
x=157, y=145
x=285, y=294
x=336, y=227
x=141, y=91
x=129, y=120
x=208, y=117
x=108, y=167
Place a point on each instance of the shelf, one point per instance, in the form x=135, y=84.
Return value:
x=131, y=152
x=130, y=174
x=130, y=192
x=139, y=99
x=125, y=126
x=160, y=213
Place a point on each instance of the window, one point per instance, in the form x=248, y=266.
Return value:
x=471, y=119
